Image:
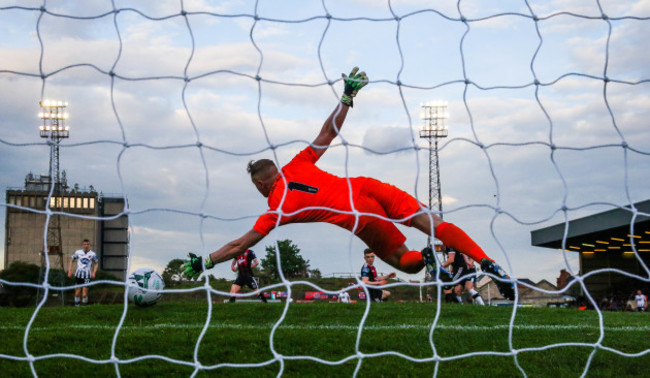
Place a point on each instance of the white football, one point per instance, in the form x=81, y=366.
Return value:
x=145, y=287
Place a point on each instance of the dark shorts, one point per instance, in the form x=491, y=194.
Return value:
x=467, y=275
x=80, y=281
x=375, y=294
x=249, y=281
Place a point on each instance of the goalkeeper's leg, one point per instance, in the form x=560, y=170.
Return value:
x=454, y=237
x=391, y=202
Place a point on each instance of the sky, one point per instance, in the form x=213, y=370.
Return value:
x=175, y=126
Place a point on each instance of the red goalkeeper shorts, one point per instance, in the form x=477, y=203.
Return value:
x=388, y=201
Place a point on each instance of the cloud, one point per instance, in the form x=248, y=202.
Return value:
x=388, y=139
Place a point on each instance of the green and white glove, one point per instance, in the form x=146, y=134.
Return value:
x=352, y=85
x=193, y=268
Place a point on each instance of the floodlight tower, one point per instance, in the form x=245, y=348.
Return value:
x=434, y=114
x=54, y=115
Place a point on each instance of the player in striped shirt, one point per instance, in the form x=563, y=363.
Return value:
x=87, y=264
x=305, y=194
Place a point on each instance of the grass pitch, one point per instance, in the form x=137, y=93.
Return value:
x=321, y=339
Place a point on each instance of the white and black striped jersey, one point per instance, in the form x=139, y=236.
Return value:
x=84, y=263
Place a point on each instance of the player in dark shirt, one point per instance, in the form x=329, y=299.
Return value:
x=462, y=267
x=369, y=277
x=243, y=265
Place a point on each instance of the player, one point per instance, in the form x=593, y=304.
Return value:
x=369, y=277
x=300, y=185
x=344, y=297
x=641, y=301
x=87, y=264
x=462, y=267
x=243, y=265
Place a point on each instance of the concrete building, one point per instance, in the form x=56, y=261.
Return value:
x=25, y=225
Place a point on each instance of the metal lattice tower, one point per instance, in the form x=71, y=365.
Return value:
x=54, y=115
x=434, y=116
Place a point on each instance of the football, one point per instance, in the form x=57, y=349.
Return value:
x=145, y=287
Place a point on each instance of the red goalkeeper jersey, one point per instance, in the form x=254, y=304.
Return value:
x=309, y=187
x=314, y=195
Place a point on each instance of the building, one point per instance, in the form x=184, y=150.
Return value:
x=604, y=243
x=87, y=215
x=540, y=294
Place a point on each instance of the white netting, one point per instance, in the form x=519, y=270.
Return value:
x=196, y=90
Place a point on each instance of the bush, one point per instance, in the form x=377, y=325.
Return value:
x=22, y=296
x=16, y=295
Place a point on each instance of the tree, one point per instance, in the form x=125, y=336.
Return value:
x=293, y=265
x=174, y=267
x=314, y=273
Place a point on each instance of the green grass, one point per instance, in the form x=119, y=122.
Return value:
x=241, y=333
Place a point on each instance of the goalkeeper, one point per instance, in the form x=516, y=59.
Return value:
x=301, y=186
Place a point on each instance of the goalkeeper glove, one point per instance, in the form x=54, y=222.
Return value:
x=193, y=268
x=352, y=85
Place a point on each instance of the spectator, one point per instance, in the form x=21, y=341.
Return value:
x=344, y=297
x=641, y=301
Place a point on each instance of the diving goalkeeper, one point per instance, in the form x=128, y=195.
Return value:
x=300, y=186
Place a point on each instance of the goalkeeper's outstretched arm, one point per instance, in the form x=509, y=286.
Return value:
x=194, y=267
x=264, y=178
x=235, y=248
x=332, y=126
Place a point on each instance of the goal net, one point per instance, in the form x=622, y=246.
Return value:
x=170, y=100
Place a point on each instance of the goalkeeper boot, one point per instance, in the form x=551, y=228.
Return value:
x=506, y=288
x=430, y=263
